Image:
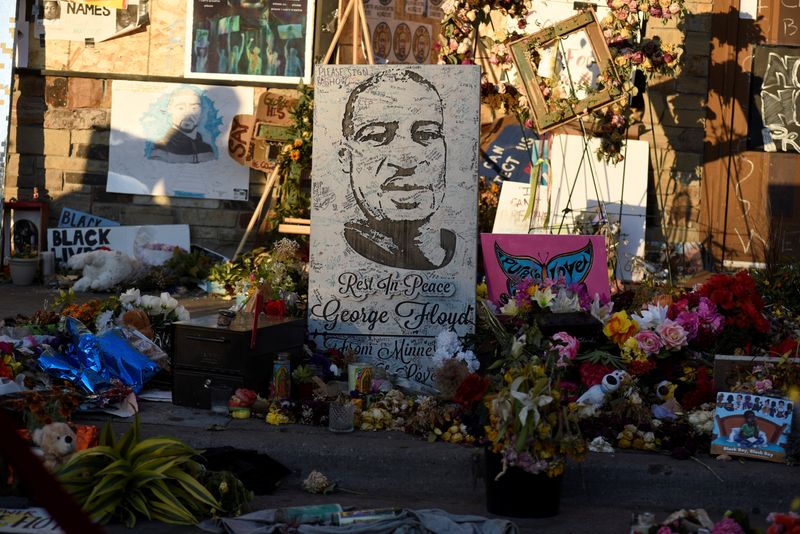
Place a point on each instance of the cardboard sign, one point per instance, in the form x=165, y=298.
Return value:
x=394, y=217
x=511, y=258
x=77, y=219
x=256, y=140
x=152, y=245
x=751, y=425
x=28, y=520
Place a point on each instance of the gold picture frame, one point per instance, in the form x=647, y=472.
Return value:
x=571, y=95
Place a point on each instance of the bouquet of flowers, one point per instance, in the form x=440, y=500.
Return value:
x=532, y=424
x=144, y=312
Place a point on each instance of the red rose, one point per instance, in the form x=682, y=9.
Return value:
x=276, y=308
x=471, y=390
x=242, y=397
x=787, y=346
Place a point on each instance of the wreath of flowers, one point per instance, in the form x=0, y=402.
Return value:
x=467, y=21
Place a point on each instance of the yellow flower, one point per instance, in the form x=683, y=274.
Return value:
x=298, y=143
x=621, y=61
x=295, y=155
x=481, y=290
x=631, y=350
x=620, y=328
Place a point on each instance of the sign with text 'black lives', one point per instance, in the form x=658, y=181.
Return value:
x=394, y=211
x=152, y=244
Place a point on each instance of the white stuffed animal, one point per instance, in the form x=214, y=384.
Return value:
x=594, y=397
x=103, y=269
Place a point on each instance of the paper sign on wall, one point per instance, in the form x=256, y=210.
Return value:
x=152, y=245
x=511, y=258
x=70, y=218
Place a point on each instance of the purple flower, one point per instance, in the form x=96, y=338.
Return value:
x=649, y=342
x=727, y=526
x=672, y=334
x=690, y=322
x=707, y=311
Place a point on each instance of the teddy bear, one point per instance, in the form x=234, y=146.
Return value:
x=57, y=442
x=103, y=269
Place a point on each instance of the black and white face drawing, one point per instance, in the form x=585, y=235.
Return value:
x=395, y=160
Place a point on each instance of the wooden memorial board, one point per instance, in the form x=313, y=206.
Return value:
x=394, y=215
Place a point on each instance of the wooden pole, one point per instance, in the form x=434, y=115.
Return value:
x=259, y=208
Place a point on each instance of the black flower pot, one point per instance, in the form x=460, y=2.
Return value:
x=518, y=493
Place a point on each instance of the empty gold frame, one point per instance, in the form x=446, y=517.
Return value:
x=578, y=43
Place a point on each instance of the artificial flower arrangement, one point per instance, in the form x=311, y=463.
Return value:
x=533, y=425
x=147, y=313
x=466, y=22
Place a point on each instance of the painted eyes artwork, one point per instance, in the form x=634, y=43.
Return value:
x=571, y=267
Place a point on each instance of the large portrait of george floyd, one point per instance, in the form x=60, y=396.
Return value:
x=394, y=211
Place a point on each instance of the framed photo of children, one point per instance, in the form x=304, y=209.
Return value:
x=250, y=40
x=751, y=425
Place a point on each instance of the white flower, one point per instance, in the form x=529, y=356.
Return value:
x=530, y=404
x=449, y=6
x=470, y=359
x=654, y=315
x=517, y=346
x=130, y=299
x=104, y=322
x=563, y=303
x=168, y=303
x=601, y=313
x=335, y=370
x=510, y=308
x=543, y=297
x=151, y=304
x=463, y=47
x=182, y=313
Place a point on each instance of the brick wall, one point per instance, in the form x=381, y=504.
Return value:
x=674, y=119
x=58, y=143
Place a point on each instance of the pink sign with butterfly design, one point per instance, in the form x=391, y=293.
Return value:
x=511, y=258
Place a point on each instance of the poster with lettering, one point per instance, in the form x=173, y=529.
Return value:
x=250, y=40
x=755, y=426
x=511, y=258
x=151, y=244
x=81, y=21
x=172, y=139
x=394, y=211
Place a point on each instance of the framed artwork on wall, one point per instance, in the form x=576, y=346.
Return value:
x=250, y=40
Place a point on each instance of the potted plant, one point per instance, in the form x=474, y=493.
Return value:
x=532, y=428
x=303, y=378
x=23, y=265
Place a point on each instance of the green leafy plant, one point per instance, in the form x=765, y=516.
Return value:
x=129, y=478
x=303, y=374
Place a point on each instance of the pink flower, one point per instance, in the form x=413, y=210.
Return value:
x=665, y=530
x=690, y=322
x=762, y=386
x=707, y=311
x=568, y=350
x=649, y=342
x=672, y=334
x=727, y=526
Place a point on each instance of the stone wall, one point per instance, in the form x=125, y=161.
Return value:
x=674, y=121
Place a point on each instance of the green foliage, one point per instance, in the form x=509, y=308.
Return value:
x=779, y=285
x=183, y=268
x=303, y=374
x=295, y=161
x=129, y=478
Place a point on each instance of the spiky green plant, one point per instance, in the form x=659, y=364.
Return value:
x=127, y=478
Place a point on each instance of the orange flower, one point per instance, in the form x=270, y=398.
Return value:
x=620, y=328
x=295, y=155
